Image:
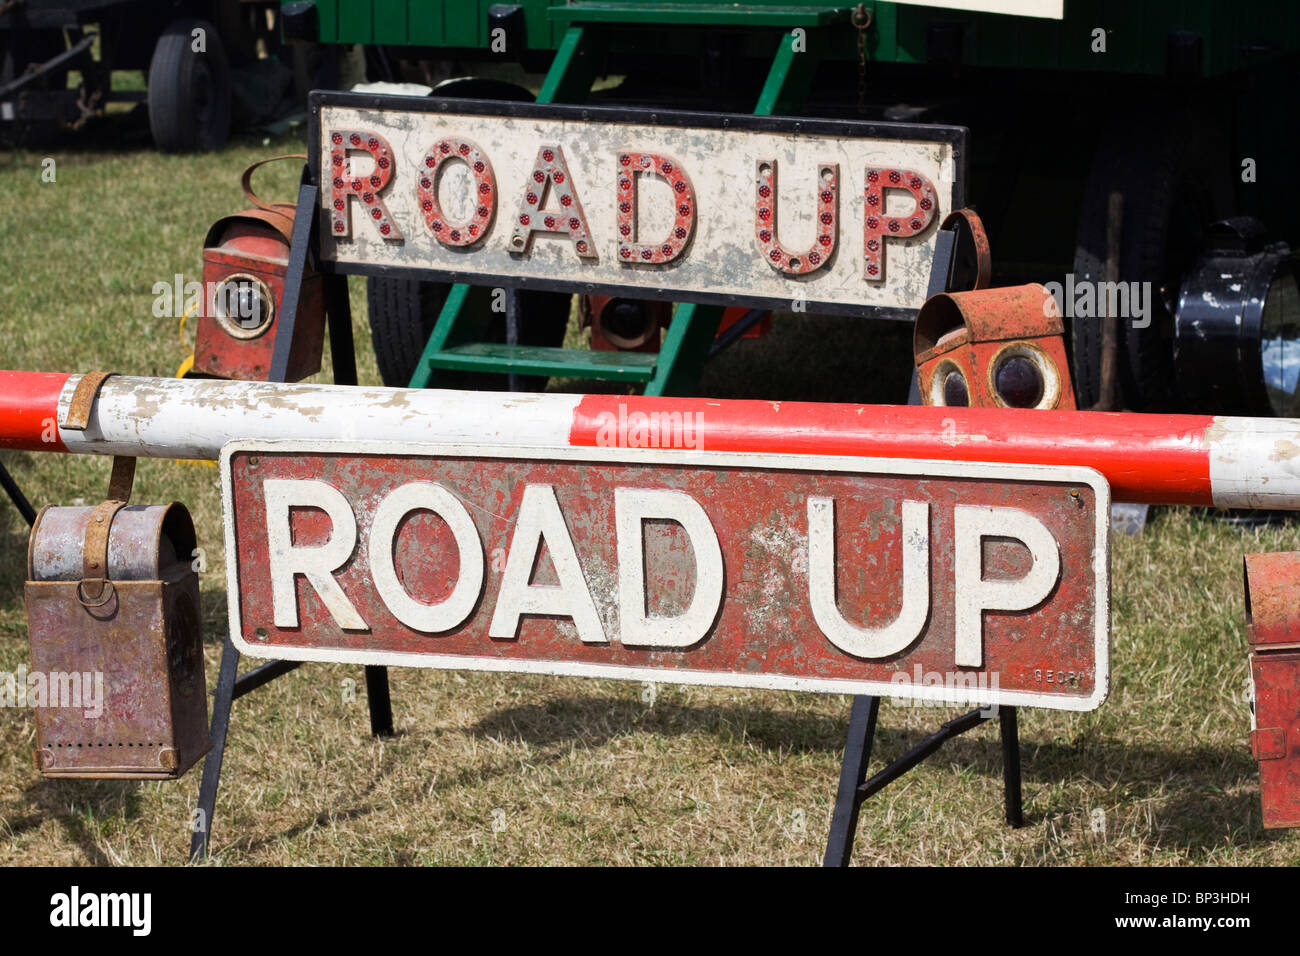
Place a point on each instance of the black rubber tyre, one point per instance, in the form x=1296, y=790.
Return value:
x=403, y=313
x=189, y=91
x=1171, y=167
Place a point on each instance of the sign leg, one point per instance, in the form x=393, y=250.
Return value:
x=853, y=771
x=338, y=313
x=1011, y=766
x=381, y=705
x=16, y=496
x=223, y=697
x=304, y=226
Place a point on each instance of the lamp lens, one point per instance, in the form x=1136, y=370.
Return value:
x=1019, y=381
x=243, y=304
x=955, y=392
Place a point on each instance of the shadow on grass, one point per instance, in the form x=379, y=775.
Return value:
x=75, y=805
x=1194, y=809
x=13, y=545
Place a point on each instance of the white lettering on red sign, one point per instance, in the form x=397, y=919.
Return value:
x=632, y=508
x=540, y=522
x=907, y=626
x=317, y=564
x=972, y=524
x=452, y=611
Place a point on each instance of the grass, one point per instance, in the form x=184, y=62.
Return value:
x=500, y=769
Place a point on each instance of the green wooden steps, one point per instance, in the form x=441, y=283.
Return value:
x=675, y=369
x=540, y=360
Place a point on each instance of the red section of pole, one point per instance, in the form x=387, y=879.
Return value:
x=29, y=407
x=1146, y=458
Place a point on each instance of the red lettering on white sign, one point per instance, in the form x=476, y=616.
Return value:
x=879, y=227
x=366, y=188
x=447, y=231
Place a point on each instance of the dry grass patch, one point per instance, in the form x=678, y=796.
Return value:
x=497, y=769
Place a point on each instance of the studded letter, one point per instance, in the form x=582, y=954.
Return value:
x=446, y=231
x=551, y=171
x=819, y=253
x=879, y=227
x=365, y=188
x=671, y=246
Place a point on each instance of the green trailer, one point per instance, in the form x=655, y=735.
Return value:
x=1225, y=37
x=1142, y=144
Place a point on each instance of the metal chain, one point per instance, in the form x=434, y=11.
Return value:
x=89, y=107
x=861, y=20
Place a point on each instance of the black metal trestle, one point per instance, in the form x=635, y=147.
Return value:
x=230, y=684
x=16, y=496
x=855, y=788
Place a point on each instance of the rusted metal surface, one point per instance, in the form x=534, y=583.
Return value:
x=113, y=618
x=83, y=400
x=1273, y=629
x=251, y=249
x=121, y=478
x=95, y=588
x=841, y=575
x=629, y=325
x=974, y=338
x=973, y=229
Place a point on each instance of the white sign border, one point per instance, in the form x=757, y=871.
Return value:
x=895, y=467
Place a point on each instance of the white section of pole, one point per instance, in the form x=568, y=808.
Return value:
x=193, y=418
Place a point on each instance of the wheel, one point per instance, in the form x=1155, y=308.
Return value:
x=1171, y=168
x=189, y=89
x=403, y=312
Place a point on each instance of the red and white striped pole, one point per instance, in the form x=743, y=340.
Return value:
x=1161, y=459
